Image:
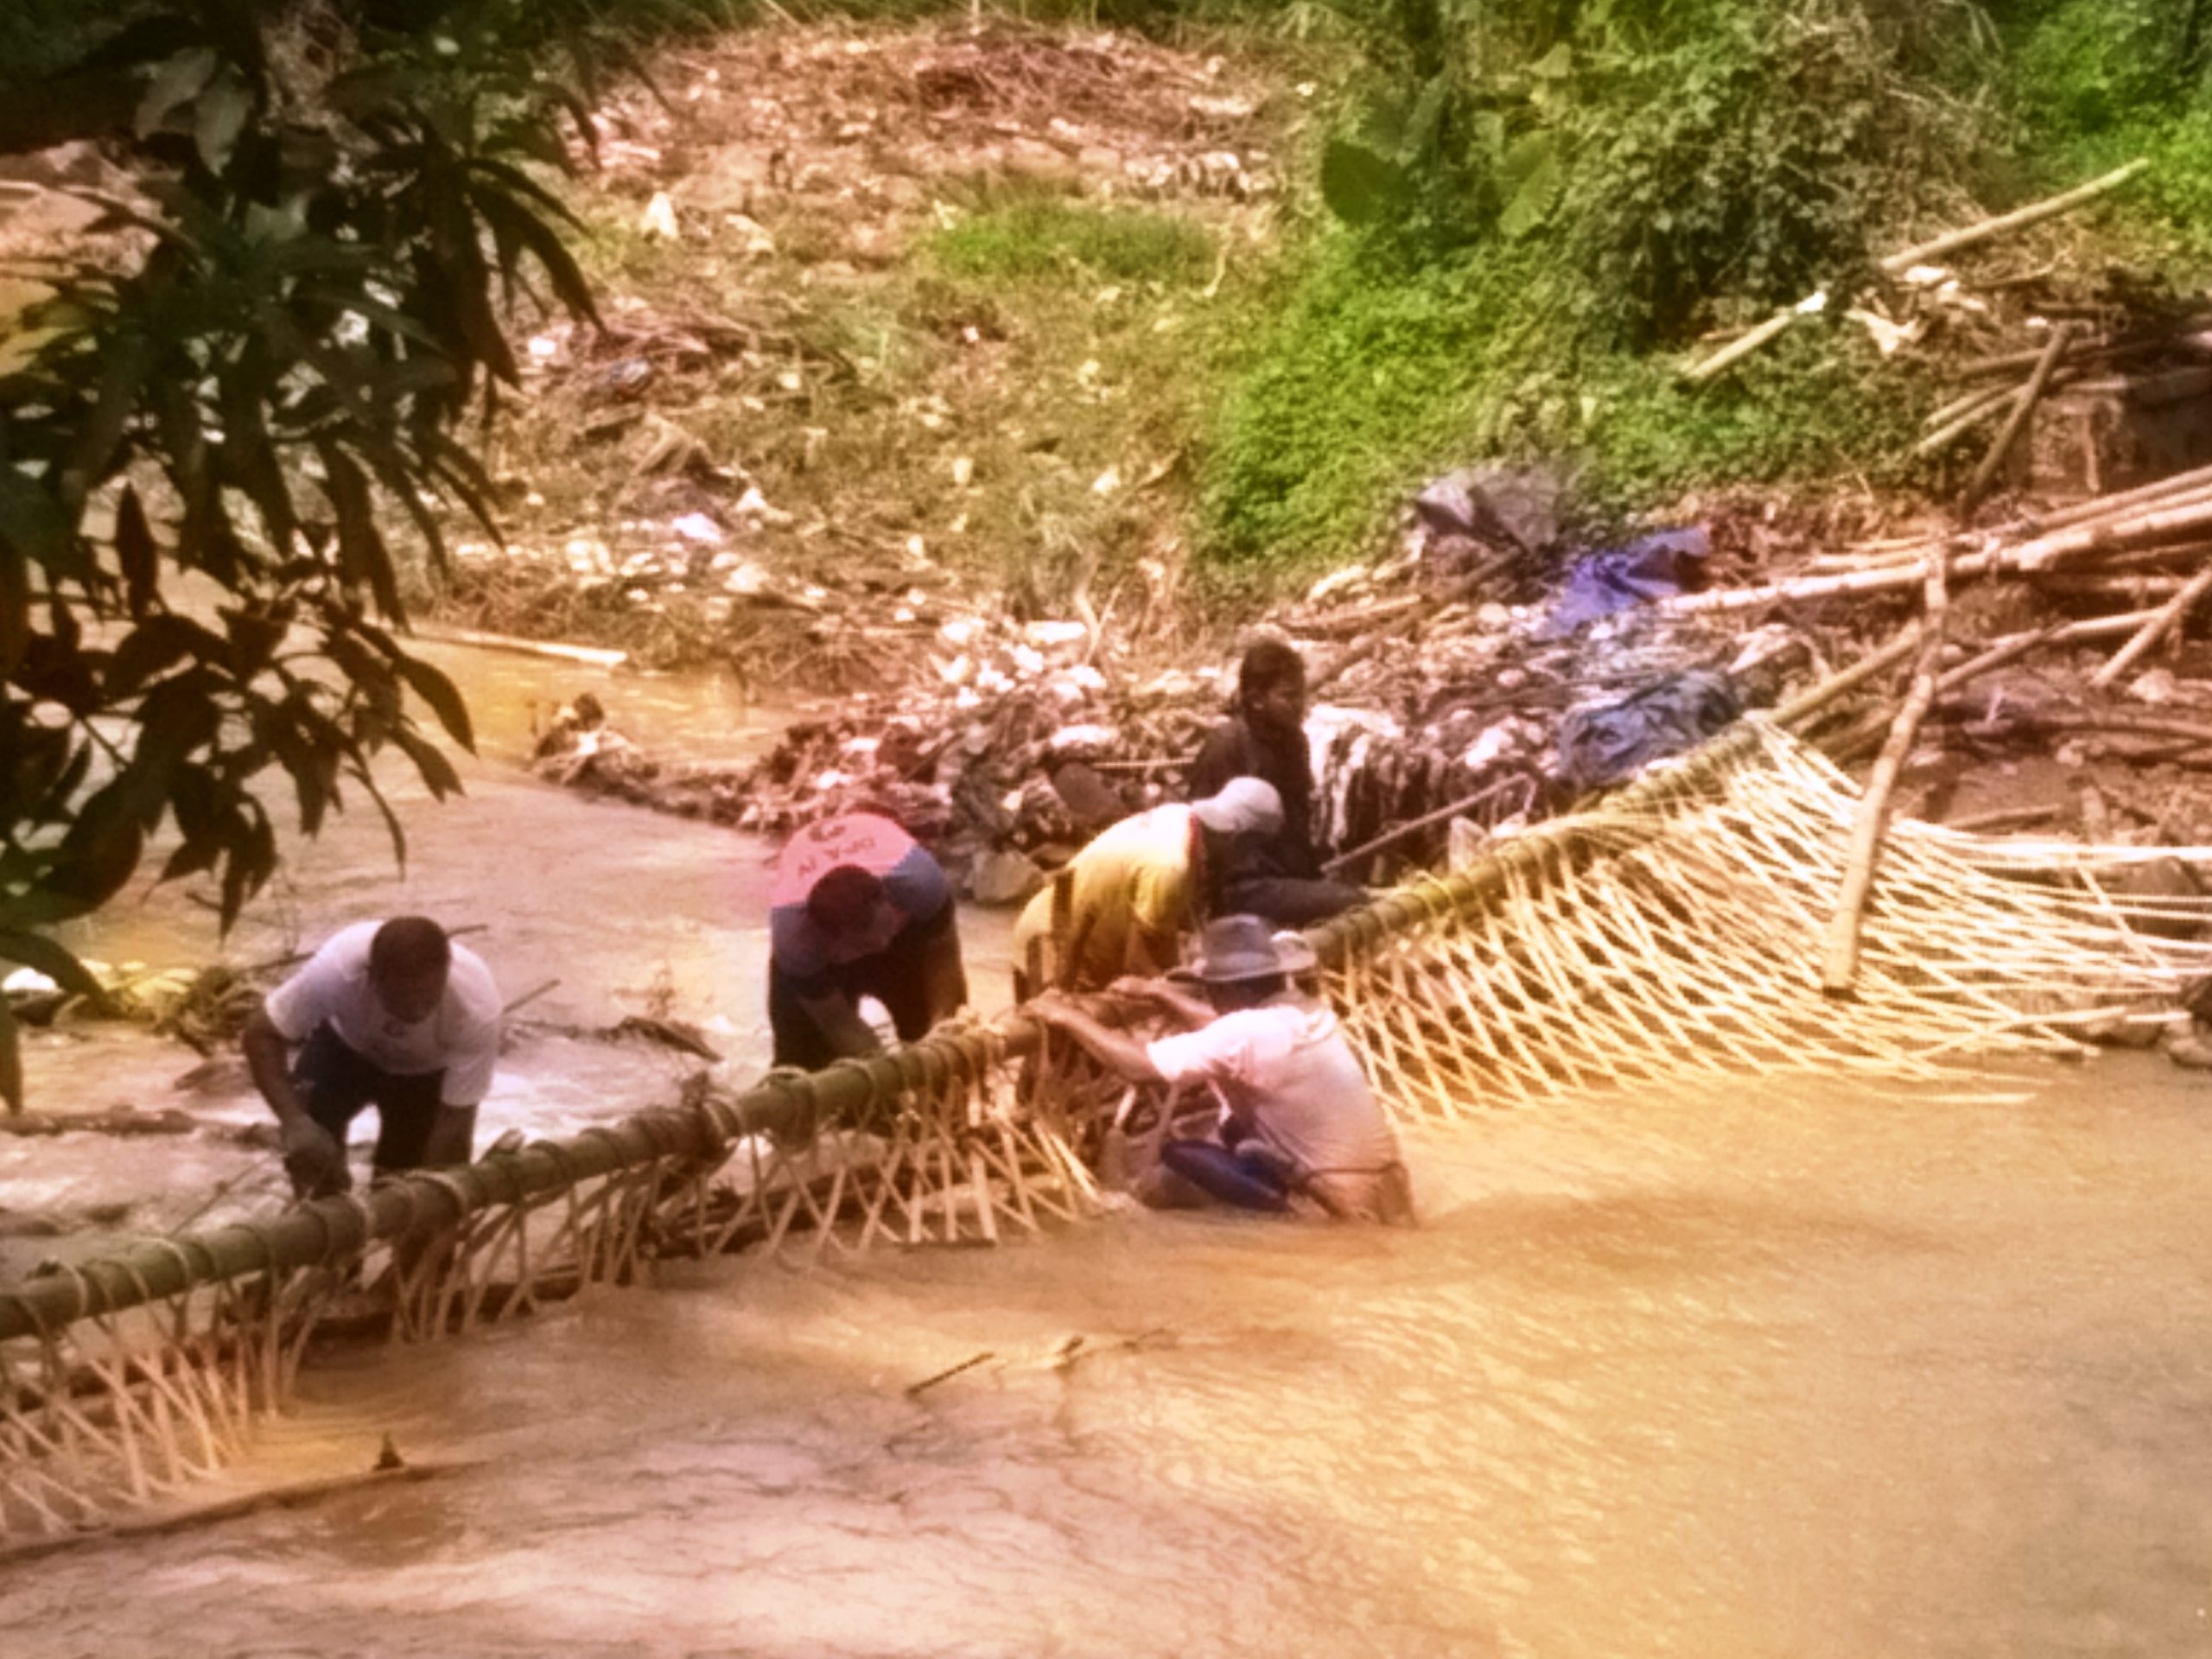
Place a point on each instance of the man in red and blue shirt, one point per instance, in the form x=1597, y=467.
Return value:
x=859, y=909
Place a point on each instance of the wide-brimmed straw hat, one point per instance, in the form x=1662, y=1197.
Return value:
x=1232, y=949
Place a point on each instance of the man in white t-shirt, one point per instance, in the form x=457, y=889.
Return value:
x=393, y=1015
x=1302, y=1120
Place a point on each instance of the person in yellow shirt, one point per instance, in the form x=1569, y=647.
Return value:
x=1133, y=890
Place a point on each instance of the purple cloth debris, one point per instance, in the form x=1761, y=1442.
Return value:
x=1652, y=567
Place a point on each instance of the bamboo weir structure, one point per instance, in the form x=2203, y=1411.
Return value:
x=1672, y=933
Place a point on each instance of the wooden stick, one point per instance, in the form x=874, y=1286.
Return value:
x=2004, y=817
x=2000, y=449
x=2168, y=615
x=1986, y=229
x=1841, y=967
x=1737, y=350
x=229, y=1509
x=1391, y=837
x=1976, y=409
x=1794, y=714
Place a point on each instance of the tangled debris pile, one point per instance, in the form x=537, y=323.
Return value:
x=1480, y=674
x=1439, y=681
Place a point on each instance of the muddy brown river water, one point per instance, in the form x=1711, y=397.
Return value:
x=1789, y=1368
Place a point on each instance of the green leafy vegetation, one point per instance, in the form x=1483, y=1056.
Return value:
x=2094, y=83
x=333, y=228
x=1538, y=206
x=1033, y=234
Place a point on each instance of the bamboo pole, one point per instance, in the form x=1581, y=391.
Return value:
x=1854, y=742
x=1737, y=350
x=2167, y=617
x=2113, y=534
x=1976, y=410
x=2000, y=449
x=1986, y=229
x=1391, y=837
x=1842, y=967
x=1792, y=714
x=2099, y=534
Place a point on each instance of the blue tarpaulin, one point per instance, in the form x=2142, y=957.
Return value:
x=1612, y=743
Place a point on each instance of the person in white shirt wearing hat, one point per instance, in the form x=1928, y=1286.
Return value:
x=1303, y=1123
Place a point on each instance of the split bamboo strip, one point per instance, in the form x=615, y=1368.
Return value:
x=2023, y=409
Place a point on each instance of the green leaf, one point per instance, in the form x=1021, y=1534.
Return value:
x=1536, y=175
x=178, y=81
x=429, y=761
x=15, y=608
x=36, y=526
x=220, y=116
x=11, y=1060
x=135, y=553
x=1361, y=186
x=1555, y=65
x=444, y=698
x=35, y=950
x=152, y=648
x=1426, y=125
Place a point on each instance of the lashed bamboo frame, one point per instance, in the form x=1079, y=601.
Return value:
x=1671, y=934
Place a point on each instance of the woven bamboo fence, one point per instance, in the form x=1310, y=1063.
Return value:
x=1675, y=932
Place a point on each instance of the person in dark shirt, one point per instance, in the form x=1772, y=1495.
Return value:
x=1276, y=876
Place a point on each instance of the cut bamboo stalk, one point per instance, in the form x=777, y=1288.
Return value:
x=1976, y=409
x=2117, y=535
x=1959, y=405
x=1798, y=709
x=1986, y=230
x=2168, y=615
x=1738, y=349
x=2000, y=449
x=1841, y=967
x=2135, y=530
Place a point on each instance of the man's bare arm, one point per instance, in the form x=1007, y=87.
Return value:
x=267, y=1055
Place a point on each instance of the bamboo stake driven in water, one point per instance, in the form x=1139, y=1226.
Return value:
x=1841, y=967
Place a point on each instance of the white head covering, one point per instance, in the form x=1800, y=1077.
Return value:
x=1244, y=806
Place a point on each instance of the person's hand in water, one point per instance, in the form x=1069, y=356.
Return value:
x=315, y=1159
